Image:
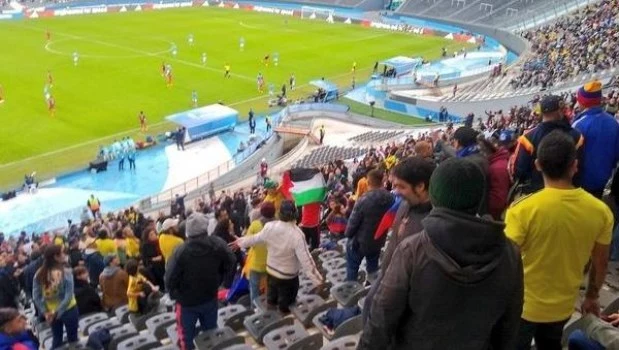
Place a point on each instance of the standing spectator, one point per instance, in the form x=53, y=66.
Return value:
x=105, y=245
x=53, y=296
x=121, y=247
x=287, y=253
x=601, y=132
x=458, y=261
x=179, y=137
x=9, y=283
x=526, y=174
x=95, y=206
x=87, y=298
x=13, y=332
x=225, y=231
x=152, y=258
x=94, y=263
x=264, y=171
x=499, y=182
x=366, y=215
x=195, y=271
x=257, y=256
x=564, y=216
x=133, y=243
x=114, y=282
x=322, y=132
x=411, y=180
x=252, y=122
x=168, y=238
x=310, y=221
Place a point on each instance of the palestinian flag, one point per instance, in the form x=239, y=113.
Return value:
x=304, y=186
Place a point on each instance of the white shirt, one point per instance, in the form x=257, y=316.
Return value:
x=287, y=250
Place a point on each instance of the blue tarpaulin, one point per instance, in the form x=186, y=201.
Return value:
x=329, y=88
x=205, y=121
x=402, y=64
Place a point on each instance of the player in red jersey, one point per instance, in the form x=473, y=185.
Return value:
x=48, y=35
x=265, y=60
x=142, y=118
x=169, y=79
x=50, y=79
x=51, y=106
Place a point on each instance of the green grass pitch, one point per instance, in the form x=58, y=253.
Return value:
x=119, y=73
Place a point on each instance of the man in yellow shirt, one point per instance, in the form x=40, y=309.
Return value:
x=168, y=240
x=558, y=229
x=257, y=256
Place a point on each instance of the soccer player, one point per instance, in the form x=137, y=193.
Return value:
x=242, y=44
x=275, y=59
x=174, y=50
x=265, y=60
x=260, y=82
x=76, y=58
x=1, y=95
x=194, y=98
x=168, y=75
x=142, y=118
x=163, y=69
x=46, y=92
x=292, y=82
x=50, y=79
x=204, y=58
x=51, y=106
x=354, y=66
x=190, y=39
x=227, y=68
x=48, y=35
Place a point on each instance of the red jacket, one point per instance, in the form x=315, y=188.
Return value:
x=499, y=183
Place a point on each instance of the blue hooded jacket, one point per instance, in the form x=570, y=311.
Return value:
x=25, y=339
x=601, y=151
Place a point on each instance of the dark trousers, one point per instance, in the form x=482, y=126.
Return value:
x=131, y=164
x=282, y=293
x=312, y=237
x=367, y=303
x=121, y=164
x=353, y=260
x=186, y=318
x=547, y=335
x=68, y=321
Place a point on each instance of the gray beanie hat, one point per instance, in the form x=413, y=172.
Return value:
x=196, y=225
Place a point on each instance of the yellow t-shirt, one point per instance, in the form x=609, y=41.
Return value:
x=276, y=198
x=556, y=231
x=134, y=286
x=133, y=247
x=106, y=246
x=167, y=244
x=258, y=256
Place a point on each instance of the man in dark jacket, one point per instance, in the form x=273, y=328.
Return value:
x=525, y=174
x=364, y=219
x=87, y=298
x=411, y=180
x=193, y=275
x=456, y=285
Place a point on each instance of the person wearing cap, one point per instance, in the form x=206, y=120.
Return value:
x=193, y=275
x=114, y=282
x=559, y=230
x=526, y=176
x=256, y=263
x=274, y=195
x=601, y=132
x=168, y=238
x=458, y=262
x=14, y=334
x=287, y=254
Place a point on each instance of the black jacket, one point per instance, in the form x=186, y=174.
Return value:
x=9, y=288
x=87, y=299
x=364, y=219
x=197, y=268
x=456, y=285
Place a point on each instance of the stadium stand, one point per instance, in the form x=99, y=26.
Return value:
x=375, y=136
x=326, y=154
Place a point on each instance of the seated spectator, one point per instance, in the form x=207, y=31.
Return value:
x=114, y=282
x=13, y=332
x=459, y=261
x=596, y=334
x=140, y=291
x=87, y=298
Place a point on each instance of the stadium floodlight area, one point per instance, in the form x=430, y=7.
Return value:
x=309, y=12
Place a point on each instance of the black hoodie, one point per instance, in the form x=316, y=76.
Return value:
x=456, y=285
x=196, y=269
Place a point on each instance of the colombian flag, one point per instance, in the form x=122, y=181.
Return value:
x=388, y=218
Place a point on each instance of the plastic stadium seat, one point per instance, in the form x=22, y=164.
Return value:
x=154, y=321
x=107, y=324
x=87, y=320
x=293, y=336
x=611, y=308
x=328, y=255
x=573, y=324
x=122, y=313
x=361, y=303
x=349, y=342
x=239, y=347
x=80, y=345
x=119, y=334
x=334, y=264
x=44, y=334
x=216, y=339
x=245, y=300
x=348, y=293
x=232, y=316
x=307, y=306
x=351, y=326
x=167, y=347
x=260, y=324
x=139, y=342
x=336, y=277
x=172, y=332
x=261, y=303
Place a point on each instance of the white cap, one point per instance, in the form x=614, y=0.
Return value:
x=169, y=223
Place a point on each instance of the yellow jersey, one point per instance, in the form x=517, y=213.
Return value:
x=167, y=244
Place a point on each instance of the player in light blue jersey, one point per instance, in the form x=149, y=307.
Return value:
x=204, y=58
x=194, y=98
x=174, y=50
x=242, y=44
x=190, y=39
x=275, y=59
x=46, y=92
x=271, y=89
x=76, y=58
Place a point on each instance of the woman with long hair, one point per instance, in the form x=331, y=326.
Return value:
x=152, y=257
x=53, y=295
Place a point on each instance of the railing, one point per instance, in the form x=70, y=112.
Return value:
x=207, y=178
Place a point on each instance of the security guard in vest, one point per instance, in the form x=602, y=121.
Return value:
x=94, y=205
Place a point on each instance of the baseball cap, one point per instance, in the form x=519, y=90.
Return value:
x=168, y=224
x=551, y=103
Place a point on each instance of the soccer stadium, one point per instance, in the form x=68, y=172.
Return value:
x=309, y=174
